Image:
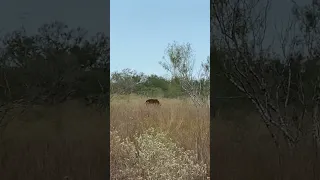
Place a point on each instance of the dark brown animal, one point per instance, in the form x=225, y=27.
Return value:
x=153, y=101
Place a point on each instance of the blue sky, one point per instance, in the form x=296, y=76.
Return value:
x=141, y=30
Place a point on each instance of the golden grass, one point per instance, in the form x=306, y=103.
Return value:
x=181, y=121
x=69, y=140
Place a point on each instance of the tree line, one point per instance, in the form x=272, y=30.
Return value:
x=129, y=81
x=184, y=82
x=55, y=64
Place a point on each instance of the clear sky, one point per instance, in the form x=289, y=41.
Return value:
x=141, y=30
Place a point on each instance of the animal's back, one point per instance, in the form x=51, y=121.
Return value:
x=153, y=101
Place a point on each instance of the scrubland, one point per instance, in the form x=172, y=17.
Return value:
x=66, y=141
x=242, y=149
x=69, y=141
x=151, y=142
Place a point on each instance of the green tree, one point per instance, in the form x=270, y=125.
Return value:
x=179, y=61
x=125, y=82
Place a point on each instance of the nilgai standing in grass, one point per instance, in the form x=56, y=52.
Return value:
x=153, y=101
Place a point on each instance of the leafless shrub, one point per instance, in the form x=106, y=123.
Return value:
x=283, y=87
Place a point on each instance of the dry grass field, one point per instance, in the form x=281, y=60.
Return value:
x=66, y=141
x=151, y=142
x=168, y=142
x=243, y=149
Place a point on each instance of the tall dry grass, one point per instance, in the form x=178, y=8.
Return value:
x=66, y=141
x=176, y=133
x=242, y=149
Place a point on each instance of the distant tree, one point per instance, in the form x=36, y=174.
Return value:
x=125, y=82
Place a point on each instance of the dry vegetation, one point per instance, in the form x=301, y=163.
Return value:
x=66, y=141
x=167, y=142
x=243, y=149
x=279, y=76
